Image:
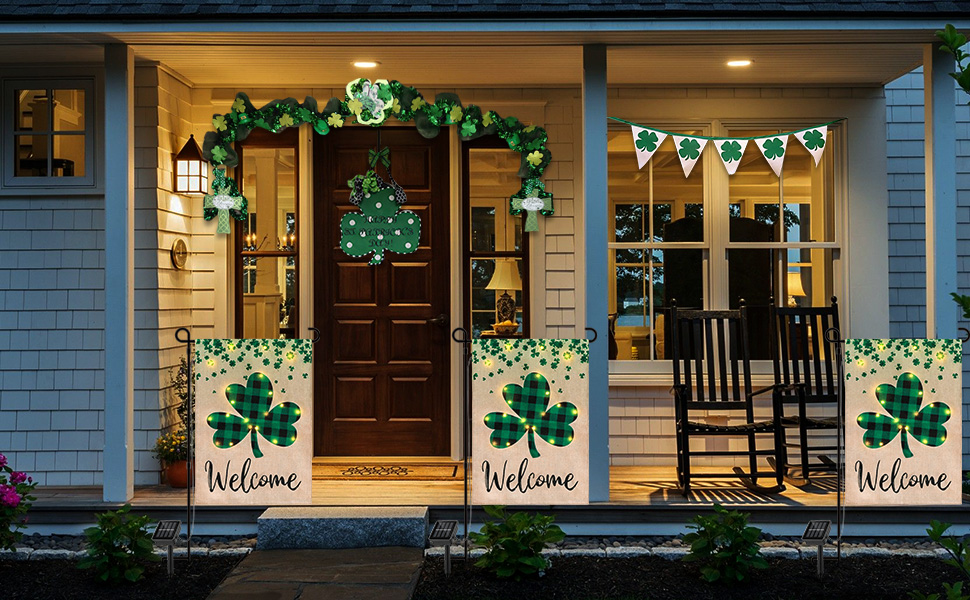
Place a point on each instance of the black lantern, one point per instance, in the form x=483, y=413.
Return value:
x=191, y=176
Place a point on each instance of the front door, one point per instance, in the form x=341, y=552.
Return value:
x=381, y=370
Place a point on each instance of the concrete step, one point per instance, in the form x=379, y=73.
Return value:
x=326, y=527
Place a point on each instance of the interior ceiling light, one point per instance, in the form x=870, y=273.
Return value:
x=366, y=64
x=739, y=63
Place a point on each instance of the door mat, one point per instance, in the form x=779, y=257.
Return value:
x=388, y=472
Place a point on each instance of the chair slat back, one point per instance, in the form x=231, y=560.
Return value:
x=800, y=353
x=709, y=349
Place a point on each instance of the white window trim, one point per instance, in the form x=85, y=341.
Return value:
x=91, y=81
x=716, y=195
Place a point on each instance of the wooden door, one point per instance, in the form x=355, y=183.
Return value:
x=381, y=369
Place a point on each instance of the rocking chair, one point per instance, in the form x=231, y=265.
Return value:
x=711, y=362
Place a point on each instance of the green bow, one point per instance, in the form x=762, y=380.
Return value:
x=224, y=198
x=533, y=199
x=383, y=155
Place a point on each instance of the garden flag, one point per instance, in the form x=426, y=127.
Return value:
x=689, y=151
x=731, y=152
x=903, y=434
x=814, y=141
x=253, y=422
x=646, y=141
x=773, y=148
x=530, y=421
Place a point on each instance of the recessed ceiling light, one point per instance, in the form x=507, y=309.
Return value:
x=739, y=63
x=366, y=64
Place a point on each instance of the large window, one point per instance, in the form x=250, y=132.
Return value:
x=266, y=243
x=49, y=125
x=711, y=240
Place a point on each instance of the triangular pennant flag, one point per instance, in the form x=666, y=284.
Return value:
x=773, y=148
x=730, y=152
x=814, y=141
x=688, y=151
x=646, y=142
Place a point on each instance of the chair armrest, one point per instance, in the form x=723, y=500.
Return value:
x=678, y=389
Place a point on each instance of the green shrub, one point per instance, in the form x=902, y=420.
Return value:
x=513, y=544
x=725, y=544
x=959, y=552
x=118, y=546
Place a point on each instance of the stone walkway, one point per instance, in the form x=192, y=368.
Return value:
x=389, y=573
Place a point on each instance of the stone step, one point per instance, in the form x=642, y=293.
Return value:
x=326, y=527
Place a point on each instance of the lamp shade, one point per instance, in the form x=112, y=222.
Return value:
x=795, y=284
x=191, y=176
x=506, y=276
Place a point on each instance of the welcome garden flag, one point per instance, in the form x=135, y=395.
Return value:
x=530, y=421
x=254, y=426
x=903, y=433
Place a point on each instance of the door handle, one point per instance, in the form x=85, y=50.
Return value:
x=441, y=320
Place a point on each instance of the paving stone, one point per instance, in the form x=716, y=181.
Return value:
x=341, y=527
x=250, y=591
x=669, y=553
x=355, y=592
x=627, y=552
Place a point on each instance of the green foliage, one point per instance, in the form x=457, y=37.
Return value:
x=725, y=544
x=513, y=544
x=953, y=43
x=959, y=552
x=118, y=546
x=964, y=302
x=951, y=592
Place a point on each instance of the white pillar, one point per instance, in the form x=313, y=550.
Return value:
x=597, y=280
x=941, y=195
x=119, y=322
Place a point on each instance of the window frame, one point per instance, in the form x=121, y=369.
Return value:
x=82, y=79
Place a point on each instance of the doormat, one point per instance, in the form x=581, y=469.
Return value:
x=391, y=472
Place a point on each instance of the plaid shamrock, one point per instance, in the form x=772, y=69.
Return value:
x=903, y=403
x=252, y=402
x=530, y=416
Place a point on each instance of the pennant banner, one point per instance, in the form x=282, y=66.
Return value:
x=530, y=421
x=647, y=140
x=903, y=423
x=254, y=425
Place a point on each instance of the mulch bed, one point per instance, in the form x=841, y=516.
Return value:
x=62, y=580
x=587, y=578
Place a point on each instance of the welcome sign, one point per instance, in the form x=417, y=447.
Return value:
x=903, y=434
x=530, y=421
x=253, y=434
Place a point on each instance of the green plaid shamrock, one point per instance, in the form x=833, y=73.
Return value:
x=253, y=402
x=529, y=401
x=903, y=403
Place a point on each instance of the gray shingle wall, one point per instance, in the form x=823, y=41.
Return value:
x=52, y=337
x=907, y=244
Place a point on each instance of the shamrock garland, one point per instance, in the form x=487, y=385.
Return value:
x=373, y=103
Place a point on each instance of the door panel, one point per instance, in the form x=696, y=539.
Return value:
x=382, y=374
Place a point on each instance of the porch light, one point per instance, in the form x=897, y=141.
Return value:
x=741, y=62
x=190, y=170
x=366, y=64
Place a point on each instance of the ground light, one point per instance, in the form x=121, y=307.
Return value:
x=165, y=534
x=816, y=534
x=443, y=534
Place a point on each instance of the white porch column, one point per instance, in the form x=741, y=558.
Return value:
x=119, y=322
x=597, y=280
x=941, y=197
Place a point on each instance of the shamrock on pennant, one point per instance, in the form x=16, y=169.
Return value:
x=731, y=151
x=813, y=139
x=647, y=140
x=902, y=402
x=690, y=149
x=531, y=416
x=774, y=148
x=252, y=402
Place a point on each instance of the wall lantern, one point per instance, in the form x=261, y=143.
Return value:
x=191, y=176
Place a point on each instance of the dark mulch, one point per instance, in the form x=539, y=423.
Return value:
x=61, y=580
x=660, y=579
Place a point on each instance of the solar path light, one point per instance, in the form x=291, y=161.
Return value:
x=443, y=534
x=816, y=534
x=165, y=534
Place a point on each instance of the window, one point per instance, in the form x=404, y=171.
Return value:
x=495, y=248
x=267, y=294
x=49, y=139
x=711, y=240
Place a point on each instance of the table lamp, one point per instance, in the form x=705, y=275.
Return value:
x=506, y=277
x=794, y=288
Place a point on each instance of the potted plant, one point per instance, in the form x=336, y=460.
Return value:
x=173, y=450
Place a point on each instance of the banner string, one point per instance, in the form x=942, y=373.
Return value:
x=722, y=138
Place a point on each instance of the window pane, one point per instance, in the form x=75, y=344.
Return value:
x=68, y=158
x=812, y=270
x=630, y=225
x=492, y=179
x=269, y=184
x=681, y=278
x=31, y=155
x=269, y=297
x=32, y=110
x=755, y=194
x=68, y=110
x=809, y=194
x=751, y=277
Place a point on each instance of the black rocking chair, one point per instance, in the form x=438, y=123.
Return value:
x=805, y=377
x=710, y=358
